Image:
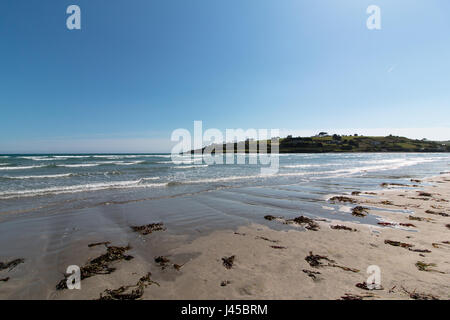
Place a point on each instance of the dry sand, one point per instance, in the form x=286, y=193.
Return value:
x=261, y=271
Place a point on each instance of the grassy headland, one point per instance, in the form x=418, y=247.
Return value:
x=335, y=143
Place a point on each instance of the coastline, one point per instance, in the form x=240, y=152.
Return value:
x=270, y=264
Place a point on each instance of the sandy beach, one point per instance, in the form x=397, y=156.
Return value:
x=269, y=263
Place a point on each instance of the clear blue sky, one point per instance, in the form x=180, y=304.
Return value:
x=139, y=69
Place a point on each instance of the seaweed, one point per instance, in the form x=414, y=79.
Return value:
x=369, y=287
x=98, y=244
x=267, y=239
x=356, y=193
x=385, y=224
x=100, y=265
x=419, y=296
x=225, y=283
x=422, y=296
x=178, y=266
x=149, y=228
x=387, y=202
x=416, y=180
x=443, y=214
x=350, y=296
x=315, y=260
x=312, y=274
x=419, y=219
x=398, y=244
x=360, y=211
x=448, y=226
x=424, y=194
x=386, y=184
x=278, y=247
x=339, y=227
x=4, y=279
x=342, y=199
x=301, y=220
x=136, y=292
x=420, y=250
x=310, y=223
x=228, y=261
x=162, y=261
x=435, y=245
x=11, y=265
x=422, y=266
x=343, y=268
x=408, y=225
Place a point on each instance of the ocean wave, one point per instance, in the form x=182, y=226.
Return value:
x=21, y=167
x=39, y=158
x=128, y=156
x=142, y=180
x=306, y=165
x=49, y=176
x=4, y=164
x=191, y=167
x=79, y=188
x=81, y=165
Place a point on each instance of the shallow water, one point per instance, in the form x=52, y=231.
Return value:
x=56, y=184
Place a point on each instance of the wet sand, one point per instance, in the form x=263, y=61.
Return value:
x=269, y=262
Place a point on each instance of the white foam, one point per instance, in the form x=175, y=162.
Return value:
x=49, y=176
x=190, y=167
x=305, y=165
x=79, y=188
x=81, y=165
x=21, y=167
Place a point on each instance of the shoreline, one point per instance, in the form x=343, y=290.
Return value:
x=270, y=261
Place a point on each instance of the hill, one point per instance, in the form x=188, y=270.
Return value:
x=335, y=143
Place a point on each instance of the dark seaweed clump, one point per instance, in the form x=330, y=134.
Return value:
x=11, y=265
x=338, y=227
x=162, y=261
x=350, y=296
x=123, y=293
x=315, y=261
x=342, y=199
x=312, y=274
x=278, y=247
x=270, y=218
x=228, y=262
x=149, y=228
x=364, y=286
x=100, y=265
x=419, y=296
x=443, y=214
x=310, y=223
x=398, y=244
x=360, y=211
